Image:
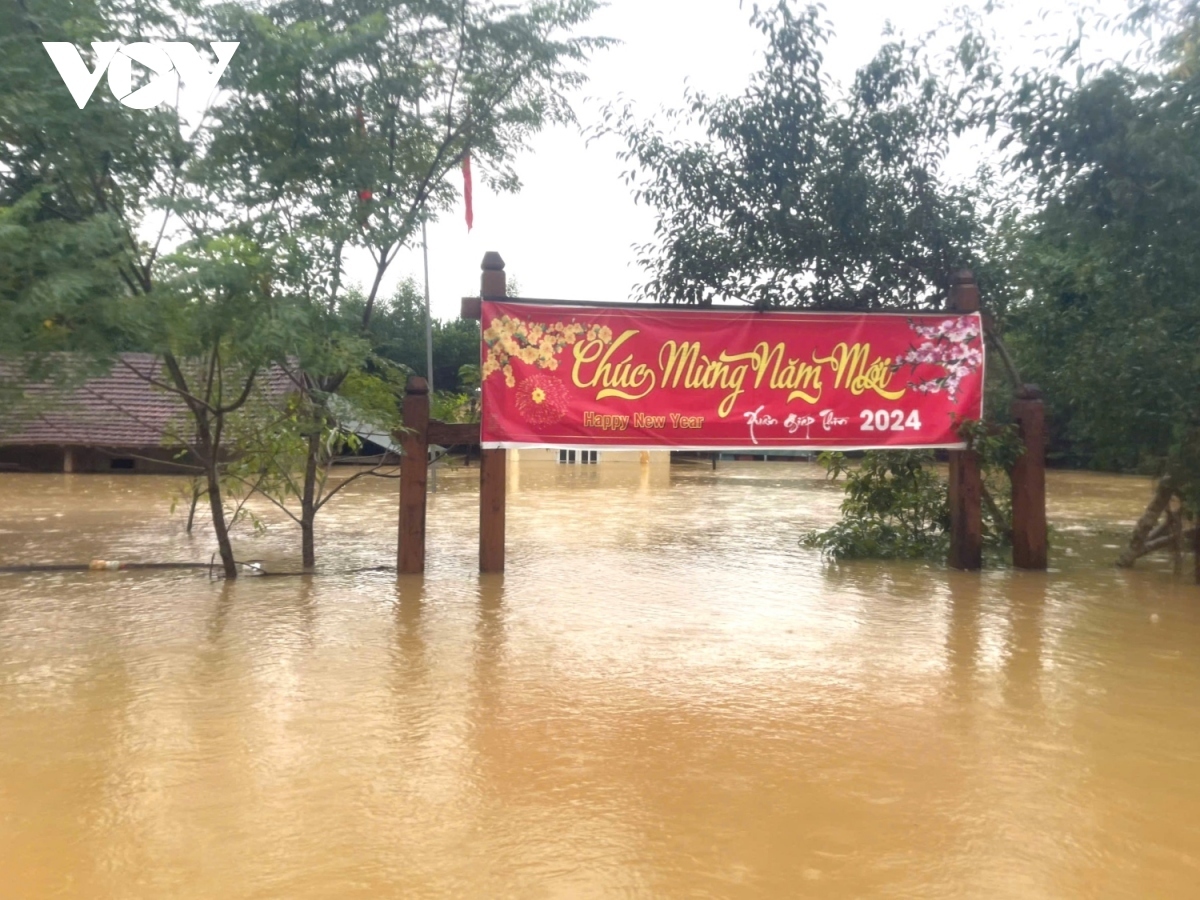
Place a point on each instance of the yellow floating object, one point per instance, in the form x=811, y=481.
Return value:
x=104, y=565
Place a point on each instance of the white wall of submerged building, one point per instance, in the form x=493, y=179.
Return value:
x=590, y=456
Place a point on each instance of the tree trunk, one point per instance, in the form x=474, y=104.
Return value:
x=308, y=503
x=209, y=450
x=196, y=495
x=224, y=547
x=1141, y=531
x=1166, y=542
x=1003, y=524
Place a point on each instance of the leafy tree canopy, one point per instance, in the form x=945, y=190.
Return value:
x=800, y=194
x=222, y=245
x=397, y=334
x=345, y=118
x=1103, y=274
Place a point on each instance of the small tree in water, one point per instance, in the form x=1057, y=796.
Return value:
x=896, y=505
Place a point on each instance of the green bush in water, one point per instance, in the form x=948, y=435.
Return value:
x=897, y=506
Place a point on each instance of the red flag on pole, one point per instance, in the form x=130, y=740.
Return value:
x=466, y=167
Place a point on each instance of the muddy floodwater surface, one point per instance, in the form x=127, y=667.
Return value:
x=665, y=696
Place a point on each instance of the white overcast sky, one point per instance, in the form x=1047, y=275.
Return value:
x=569, y=232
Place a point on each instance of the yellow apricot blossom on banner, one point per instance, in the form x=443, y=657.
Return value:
x=533, y=343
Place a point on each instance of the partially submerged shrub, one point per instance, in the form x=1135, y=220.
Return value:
x=896, y=505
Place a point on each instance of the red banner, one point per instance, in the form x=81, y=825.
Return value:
x=647, y=378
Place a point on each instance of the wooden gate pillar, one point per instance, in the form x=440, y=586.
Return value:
x=492, y=463
x=492, y=478
x=414, y=469
x=966, y=482
x=1029, y=482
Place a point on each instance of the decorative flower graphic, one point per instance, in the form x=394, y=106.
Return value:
x=542, y=399
x=952, y=344
x=533, y=343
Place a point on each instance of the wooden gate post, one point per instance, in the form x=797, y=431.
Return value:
x=492, y=463
x=1029, y=482
x=966, y=482
x=413, y=474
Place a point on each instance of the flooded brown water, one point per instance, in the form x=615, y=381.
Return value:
x=665, y=696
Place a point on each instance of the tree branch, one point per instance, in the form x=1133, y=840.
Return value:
x=176, y=374
x=1156, y=507
x=374, y=470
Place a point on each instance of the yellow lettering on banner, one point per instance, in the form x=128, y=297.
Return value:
x=615, y=378
x=672, y=359
x=685, y=362
x=802, y=379
x=731, y=378
x=612, y=371
x=850, y=365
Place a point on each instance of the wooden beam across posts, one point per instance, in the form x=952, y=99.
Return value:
x=453, y=434
x=1029, y=548
x=966, y=481
x=413, y=476
x=472, y=308
x=493, y=474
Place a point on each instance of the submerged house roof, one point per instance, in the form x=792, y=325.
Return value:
x=119, y=408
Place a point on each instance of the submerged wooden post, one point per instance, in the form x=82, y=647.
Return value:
x=966, y=483
x=413, y=474
x=1029, y=482
x=493, y=476
x=492, y=463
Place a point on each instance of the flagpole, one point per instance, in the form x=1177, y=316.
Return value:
x=428, y=341
x=428, y=315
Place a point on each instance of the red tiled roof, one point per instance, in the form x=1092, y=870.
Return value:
x=122, y=408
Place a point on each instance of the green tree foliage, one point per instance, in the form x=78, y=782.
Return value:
x=897, y=506
x=92, y=259
x=346, y=117
x=342, y=123
x=223, y=247
x=800, y=194
x=1104, y=273
x=397, y=333
x=75, y=184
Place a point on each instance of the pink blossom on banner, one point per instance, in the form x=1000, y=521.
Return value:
x=951, y=344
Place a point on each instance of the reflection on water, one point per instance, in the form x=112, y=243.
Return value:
x=665, y=696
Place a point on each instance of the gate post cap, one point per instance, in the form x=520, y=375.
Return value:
x=1029, y=392
x=492, y=262
x=416, y=385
